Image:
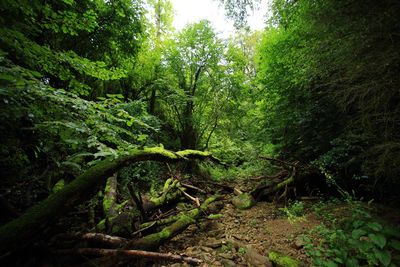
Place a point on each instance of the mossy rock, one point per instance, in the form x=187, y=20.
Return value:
x=243, y=201
x=282, y=260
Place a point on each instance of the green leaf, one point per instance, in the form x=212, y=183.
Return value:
x=378, y=239
x=395, y=244
x=352, y=263
x=330, y=264
x=375, y=226
x=358, y=223
x=357, y=233
x=383, y=256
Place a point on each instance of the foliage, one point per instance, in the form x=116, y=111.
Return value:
x=294, y=211
x=239, y=11
x=329, y=95
x=71, y=53
x=359, y=240
x=51, y=133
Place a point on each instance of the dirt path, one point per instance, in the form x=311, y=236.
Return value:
x=259, y=229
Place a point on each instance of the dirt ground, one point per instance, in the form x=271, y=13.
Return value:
x=257, y=230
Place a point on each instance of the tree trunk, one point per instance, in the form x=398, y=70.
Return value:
x=153, y=241
x=32, y=223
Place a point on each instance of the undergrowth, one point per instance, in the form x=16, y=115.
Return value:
x=358, y=239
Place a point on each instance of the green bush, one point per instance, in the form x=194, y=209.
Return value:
x=360, y=240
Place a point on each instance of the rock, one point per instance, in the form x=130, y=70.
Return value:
x=227, y=256
x=206, y=249
x=256, y=259
x=213, y=243
x=228, y=263
x=298, y=243
x=216, y=233
x=243, y=201
x=216, y=263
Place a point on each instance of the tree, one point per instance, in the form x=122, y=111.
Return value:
x=193, y=65
x=330, y=95
x=69, y=52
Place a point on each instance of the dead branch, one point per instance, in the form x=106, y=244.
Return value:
x=99, y=252
x=194, y=188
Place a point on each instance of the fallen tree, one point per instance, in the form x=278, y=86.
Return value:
x=32, y=223
x=183, y=220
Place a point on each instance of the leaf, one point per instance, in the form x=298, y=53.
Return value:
x=358, y=223
x=330, y=264
x=375, y=226
x=357, y=233
x=395, y=244
x=352, y=263
x=383, y=256
x=378, y=239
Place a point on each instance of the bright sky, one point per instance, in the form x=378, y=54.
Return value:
x=188, y=11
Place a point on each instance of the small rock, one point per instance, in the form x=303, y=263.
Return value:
x=228, y=263
x=216, y=263
x=243, y=201
x=206, y=249
x=212, y=243
x=298, y=243
x=227, y=256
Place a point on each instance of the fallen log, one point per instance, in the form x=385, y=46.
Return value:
x=153, y=241
x=32, y=223
x=99, y=252
x=103, y=239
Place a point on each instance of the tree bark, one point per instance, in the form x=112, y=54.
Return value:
x=32, y=223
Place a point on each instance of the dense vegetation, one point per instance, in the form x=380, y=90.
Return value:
x=84, y=83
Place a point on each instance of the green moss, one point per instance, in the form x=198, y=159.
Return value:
x=58, y=186
x=282, y=260
x=214, y=216
x=36, y=218
x=243, y=201
x=189, y=152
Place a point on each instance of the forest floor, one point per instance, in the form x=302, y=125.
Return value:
x=258, y=229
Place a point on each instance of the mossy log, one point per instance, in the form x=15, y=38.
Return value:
x=153, y=241
x=32, y=223
x=170, y=193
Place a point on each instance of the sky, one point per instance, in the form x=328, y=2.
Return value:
x=189, y=11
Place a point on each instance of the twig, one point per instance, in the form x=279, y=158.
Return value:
x=194, y=188
x=143, y=229
x=98, y=252
x=194, y=199
x=137, y=201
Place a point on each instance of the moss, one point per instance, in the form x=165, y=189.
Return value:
x=193, y=153
x=58, y=186
x=243, y=201
x=214, y=216
x=282, y=260
x=35, y=219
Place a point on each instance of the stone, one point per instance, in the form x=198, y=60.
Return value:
x=228, y=256
x=228, y=263
x=243, y=201
x=212, y=243
x=206, y=249
x=298, y=243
